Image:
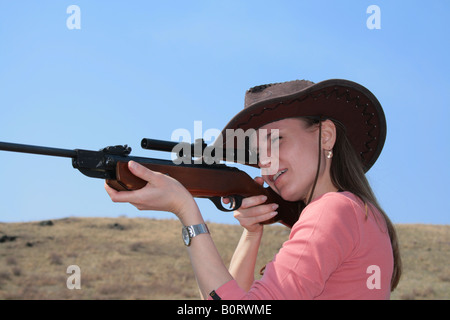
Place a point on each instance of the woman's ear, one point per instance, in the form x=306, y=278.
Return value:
x=328, y=134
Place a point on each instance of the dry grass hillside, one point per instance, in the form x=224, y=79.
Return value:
x=143, y=258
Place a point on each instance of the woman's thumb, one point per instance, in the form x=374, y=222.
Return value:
x=259, y=180
x=140, y=171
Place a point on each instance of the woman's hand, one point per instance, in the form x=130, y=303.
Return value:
x=252, y=211
x=162, y=193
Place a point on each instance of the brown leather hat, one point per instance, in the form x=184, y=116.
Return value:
x=341, y=100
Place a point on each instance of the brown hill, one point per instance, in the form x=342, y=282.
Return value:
x=143, y=258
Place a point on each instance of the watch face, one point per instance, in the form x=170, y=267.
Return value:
x=185, y=235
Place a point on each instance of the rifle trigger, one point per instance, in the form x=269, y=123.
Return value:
x=235, y=202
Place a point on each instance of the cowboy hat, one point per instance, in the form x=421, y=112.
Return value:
x=344, y=101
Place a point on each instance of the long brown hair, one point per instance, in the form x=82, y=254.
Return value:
x=347, y=174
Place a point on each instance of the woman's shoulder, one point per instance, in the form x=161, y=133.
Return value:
x=334, y=214
x=335, y=205
x=341, y=206
x=344, y=199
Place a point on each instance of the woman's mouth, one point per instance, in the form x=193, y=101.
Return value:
x=278, y=174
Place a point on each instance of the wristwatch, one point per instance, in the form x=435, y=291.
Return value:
x=191, y=231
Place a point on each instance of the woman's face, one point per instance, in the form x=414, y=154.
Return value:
x=292, y=156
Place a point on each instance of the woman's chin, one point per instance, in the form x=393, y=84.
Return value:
x=291, y=197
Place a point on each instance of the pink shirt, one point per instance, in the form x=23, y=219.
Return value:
x=334, y=252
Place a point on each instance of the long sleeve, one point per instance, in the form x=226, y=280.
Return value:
x=326, y=256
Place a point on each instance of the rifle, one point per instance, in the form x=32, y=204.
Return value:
x=203, y=180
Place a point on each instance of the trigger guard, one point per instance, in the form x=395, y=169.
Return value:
x=236, y=201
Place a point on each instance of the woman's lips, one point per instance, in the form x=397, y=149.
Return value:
x=276, y=177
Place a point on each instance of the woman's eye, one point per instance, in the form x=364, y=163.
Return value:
x=276, y=138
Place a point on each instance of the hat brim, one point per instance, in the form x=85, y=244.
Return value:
x=345, y=101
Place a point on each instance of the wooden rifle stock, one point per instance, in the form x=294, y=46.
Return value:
x=210, y=183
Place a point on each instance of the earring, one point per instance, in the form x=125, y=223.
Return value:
x=329, y=154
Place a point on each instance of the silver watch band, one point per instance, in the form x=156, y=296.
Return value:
x=190, y=232
x=197, y=229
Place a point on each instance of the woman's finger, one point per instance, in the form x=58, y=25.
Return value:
x=255, y=211
x=140, y=171
x=253, y=220
x=253, y=201
x=259, y=180
x=116, y=196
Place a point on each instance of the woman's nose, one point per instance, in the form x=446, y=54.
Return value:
x=264, y=162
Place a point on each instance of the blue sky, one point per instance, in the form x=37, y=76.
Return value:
x=146, y=68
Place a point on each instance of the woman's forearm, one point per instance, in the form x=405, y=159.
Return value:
x=164, y=193
x=209, y=269
x=242, y=266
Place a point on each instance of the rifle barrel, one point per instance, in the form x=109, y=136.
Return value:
x=25, y=148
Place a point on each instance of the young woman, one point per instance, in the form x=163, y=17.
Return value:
x=343, y=246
